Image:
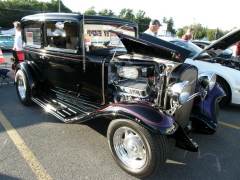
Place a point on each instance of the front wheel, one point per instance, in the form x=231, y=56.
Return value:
x=135, y=149
x=23, y=88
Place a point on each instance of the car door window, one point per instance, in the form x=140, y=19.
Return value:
x=61, y=35
x=32, y=34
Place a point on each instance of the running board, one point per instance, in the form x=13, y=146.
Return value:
x=61, y=110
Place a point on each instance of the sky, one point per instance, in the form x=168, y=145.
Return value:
x=212, y=14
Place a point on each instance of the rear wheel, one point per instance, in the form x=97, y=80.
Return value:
x=23, y=88
x=135, y=149
x=224, y=100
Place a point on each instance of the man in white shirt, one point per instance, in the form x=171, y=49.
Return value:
x=17, y=48
x=18, y=37
x=154, y=26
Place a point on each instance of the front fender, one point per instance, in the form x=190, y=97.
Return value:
x=144, y=114
x=204, y=114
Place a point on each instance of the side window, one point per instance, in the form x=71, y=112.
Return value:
x=61, y=35
x=99, y=41
x=32, y=34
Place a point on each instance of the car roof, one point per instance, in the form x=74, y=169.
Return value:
x=77, y=17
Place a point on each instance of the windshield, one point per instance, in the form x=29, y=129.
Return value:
x=188, y=45
x=98, y=39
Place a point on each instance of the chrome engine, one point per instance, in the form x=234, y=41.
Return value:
x=168, y=88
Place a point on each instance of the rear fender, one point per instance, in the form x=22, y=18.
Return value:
x=33, y=73
x=204, y=114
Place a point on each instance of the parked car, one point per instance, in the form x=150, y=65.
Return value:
x=207, y=60
x=82, y=67
x=203, y=44
x=6, y=42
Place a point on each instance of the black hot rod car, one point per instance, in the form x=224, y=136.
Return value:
x=81, y=67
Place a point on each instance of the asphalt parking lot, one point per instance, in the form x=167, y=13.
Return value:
x=36, y=145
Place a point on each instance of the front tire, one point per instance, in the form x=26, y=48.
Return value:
x=135, y=149
x=23, y=88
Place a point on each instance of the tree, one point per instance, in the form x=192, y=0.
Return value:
x=170, y=25
x=211, y=34
x=91, y=11
x=106, y=12
x=164, y=20
x=143, y=22
x=126, y=14
x=14, y=10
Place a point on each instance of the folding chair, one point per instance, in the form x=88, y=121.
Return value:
x=3, y=79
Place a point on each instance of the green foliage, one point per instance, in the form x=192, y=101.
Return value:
x=126, y=14
x=14, y=10
x=91, y=11
x=170, y=25
x=143, y=22
x=181, y=31
x=202, y=32
x=106, y=12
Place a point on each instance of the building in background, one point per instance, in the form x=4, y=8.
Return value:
x=163, y=32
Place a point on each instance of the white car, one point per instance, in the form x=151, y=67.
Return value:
x=206, y=60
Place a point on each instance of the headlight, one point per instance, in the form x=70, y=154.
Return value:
x=179, y=92
x=207, y=80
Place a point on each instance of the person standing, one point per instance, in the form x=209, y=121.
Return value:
x=236, y=52
x=188, y=35
x=17, y=48
x=154, y=26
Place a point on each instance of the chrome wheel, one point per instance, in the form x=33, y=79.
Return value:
x=129, y=147
x=21, y=87
x=136, y=150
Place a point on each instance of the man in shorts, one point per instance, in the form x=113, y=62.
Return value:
x=8, y=73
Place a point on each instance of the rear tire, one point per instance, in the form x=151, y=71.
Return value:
x=135, y=149
x=226, y=99
x=23, y=88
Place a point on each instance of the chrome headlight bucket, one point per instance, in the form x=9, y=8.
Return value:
x=207, y=80
x=179, y=92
